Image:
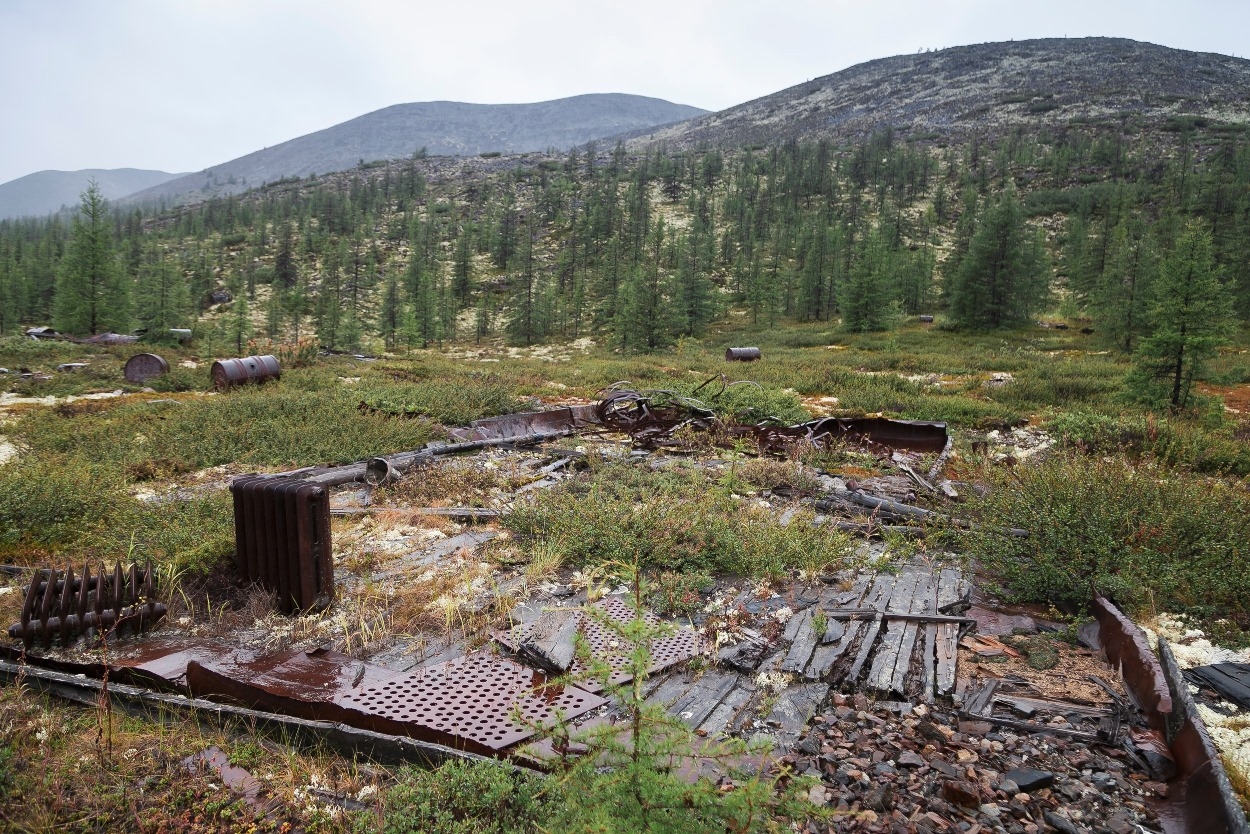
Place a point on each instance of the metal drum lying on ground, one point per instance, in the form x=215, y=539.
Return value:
x=144, y=366
x=742, y=354
x=230, y=372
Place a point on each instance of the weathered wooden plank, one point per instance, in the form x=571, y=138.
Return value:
x=879, y=598
x=796, y=624
x=881, y=672
x=928, y=661
x=805, y=640
x=981, y=702
x=669, y=690
x=953, y=588
x=902, y=663
x=947, y=654
x=866, y=588
x=792, y=710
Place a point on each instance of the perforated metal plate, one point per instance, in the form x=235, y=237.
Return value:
x=472, y=698
x=611, y=648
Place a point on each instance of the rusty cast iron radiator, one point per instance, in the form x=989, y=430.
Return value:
x=62, y=605
x=282, y=539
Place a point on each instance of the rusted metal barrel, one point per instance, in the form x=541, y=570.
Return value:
x=143, y=366
x=742, y=354
x=229, y=372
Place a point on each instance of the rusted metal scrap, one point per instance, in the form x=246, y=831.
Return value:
x=227, y=373
x=65, y=606
x=552, y=422
x=742, y=354
x=1201, y=797
x=652, y=418
x=471, y=703
x=596, y=626
x=282, y=539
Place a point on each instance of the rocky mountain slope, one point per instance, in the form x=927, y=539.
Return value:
x=986, y=88
x=47, y=191
x=441, y=127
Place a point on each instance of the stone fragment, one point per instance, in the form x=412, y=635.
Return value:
x=909, y=758
x=1061, y=823
x=1028, y=780
x=1121, y=823
x=961, y=793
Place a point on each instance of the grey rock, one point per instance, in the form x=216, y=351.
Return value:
x=1029, y=780
x=1061, y=823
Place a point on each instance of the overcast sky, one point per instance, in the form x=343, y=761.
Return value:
x=182, y=85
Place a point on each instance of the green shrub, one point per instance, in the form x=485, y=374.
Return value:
x=1179, y=443
x=53, y=501
x=468, y=798
x=267, y=425
x=677, y=519
x=1145, y=535
x=452, y=403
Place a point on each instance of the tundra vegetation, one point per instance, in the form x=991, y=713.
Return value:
x=482, y=293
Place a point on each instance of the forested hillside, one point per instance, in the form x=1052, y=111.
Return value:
x=644, y=250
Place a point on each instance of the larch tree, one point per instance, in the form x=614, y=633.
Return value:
x=1002, y=279
x=1190, y=317
x=92, y=295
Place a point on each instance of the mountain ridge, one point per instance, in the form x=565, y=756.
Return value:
x=985, y=88
x=440, y=127
x=48, y=191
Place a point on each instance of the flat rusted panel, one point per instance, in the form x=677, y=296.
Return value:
x=465, y=703
x=564, y=420
x=471, y=701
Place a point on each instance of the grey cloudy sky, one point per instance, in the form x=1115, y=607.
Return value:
x=181, y=86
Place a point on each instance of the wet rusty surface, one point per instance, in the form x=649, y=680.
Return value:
x=1201, y=799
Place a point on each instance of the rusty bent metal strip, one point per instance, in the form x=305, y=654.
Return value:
x=481, y=703
x=1201, y=800
x=652, y=418
x=566, y=420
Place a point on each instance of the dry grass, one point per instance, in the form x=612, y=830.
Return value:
x=453, y=483
x=58, y=772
